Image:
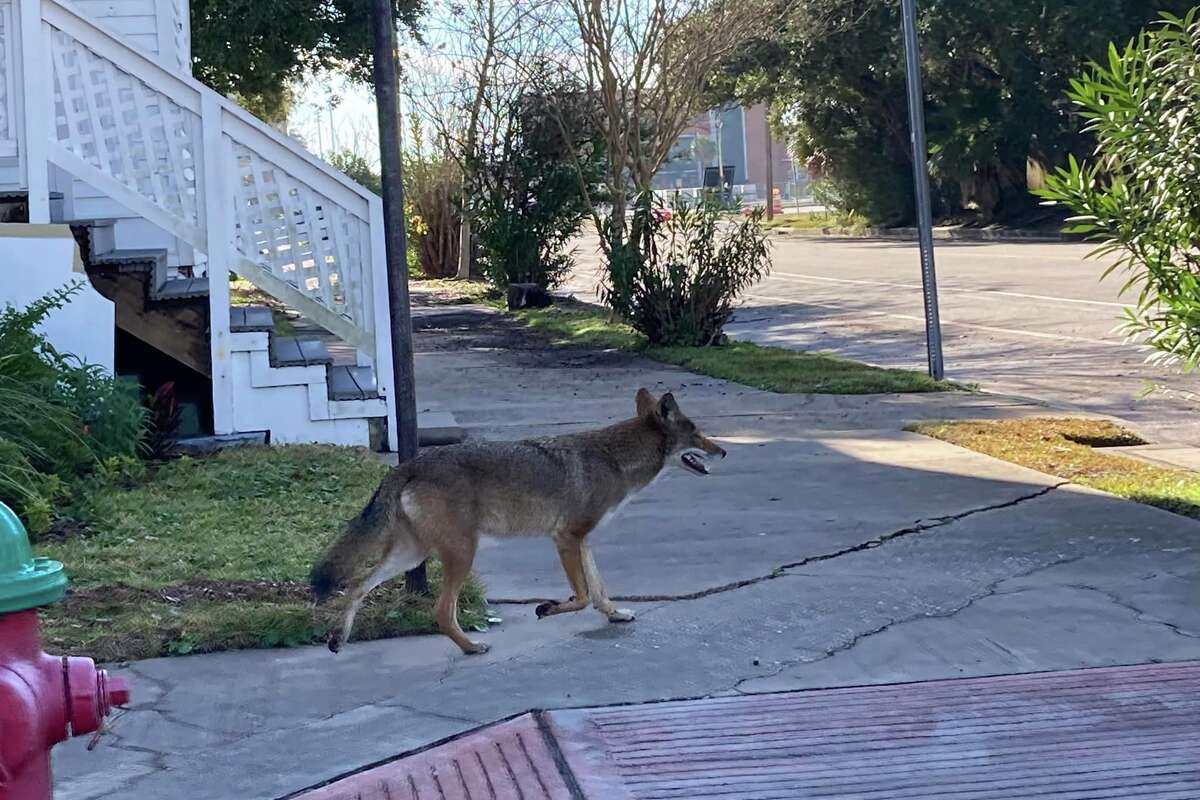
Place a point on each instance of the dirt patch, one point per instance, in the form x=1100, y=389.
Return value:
x=64, y=530
x=520, y=345
x=200, y=590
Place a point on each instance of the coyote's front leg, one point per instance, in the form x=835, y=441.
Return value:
x=598, y=591
x=570, y=553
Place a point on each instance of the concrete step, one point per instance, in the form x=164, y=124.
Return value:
x=251, y=319
x=295, y=351
x=352, y=383
x=344, y=382
x=181, y=289
x=438, y=428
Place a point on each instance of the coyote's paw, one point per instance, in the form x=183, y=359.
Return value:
x=544, y=609
x=476, y=648
x=620, y=615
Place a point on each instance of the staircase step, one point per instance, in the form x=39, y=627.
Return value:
x=292, y=351
x=182, y=289
x=130, y=260
x=352, y=383
x=251, y=319
x=438, y=428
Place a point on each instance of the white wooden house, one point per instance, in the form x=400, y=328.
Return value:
x=171, y=188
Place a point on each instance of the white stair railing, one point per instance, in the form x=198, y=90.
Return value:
x=8, y=81
x=173, y=151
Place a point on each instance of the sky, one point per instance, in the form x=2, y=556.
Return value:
x=334, y=114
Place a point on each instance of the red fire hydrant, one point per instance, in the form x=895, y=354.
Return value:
x=43, y=699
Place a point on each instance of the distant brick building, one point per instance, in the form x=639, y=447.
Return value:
x=742, y=136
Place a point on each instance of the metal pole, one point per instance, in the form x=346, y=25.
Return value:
x=770, y=177
x=721, y=154
x=387, y=102
x=916, y=117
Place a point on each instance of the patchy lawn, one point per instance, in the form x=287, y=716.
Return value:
x=1073, y=449
x=213, y=554
x=771, y=368
x=816, y=221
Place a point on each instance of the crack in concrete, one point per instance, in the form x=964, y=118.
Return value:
x=158, y=758
x=432, y=714
x=992, y=590
x=784, y=569
x=1139, y=614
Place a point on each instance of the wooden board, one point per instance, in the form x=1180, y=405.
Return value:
x=178, y=328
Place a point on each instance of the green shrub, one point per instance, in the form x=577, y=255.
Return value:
x=59, y=417
x=32, y=494
x=678, y=277
x=433, y=197
x=529, y=205
x=1138, y=196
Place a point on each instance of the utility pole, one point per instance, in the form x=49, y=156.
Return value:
x=387, y=102
x=920, y=156
x=770, y=181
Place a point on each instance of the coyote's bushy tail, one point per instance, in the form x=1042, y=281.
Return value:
x=361, y=543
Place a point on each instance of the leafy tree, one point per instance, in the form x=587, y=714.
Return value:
x=357, y=169
x=529, y=203
x=642, y=67
x=1138, y=195
x=994, y=77
x=254, y=49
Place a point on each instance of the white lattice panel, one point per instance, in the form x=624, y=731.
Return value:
x=181, y=31
x=125, y=129
x=300, y=235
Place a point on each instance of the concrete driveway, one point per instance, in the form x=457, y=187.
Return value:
x=830, y=549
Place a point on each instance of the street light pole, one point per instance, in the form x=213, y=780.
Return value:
x=920, y=155
x=387, y=102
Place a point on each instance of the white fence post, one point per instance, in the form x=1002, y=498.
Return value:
x=218, y=228
x=377, y=285
x=37, y=88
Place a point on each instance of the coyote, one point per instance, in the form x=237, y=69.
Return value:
x=563, y=487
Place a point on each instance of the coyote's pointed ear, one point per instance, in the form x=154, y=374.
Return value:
x=667, y=407
x=646, y=404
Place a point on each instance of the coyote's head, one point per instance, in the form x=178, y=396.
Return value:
x=684, y=439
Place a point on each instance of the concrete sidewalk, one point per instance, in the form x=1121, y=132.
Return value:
x=830, y=548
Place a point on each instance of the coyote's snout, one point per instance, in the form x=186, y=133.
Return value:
x=444, y=500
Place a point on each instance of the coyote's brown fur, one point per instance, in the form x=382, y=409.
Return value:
x=444, y=500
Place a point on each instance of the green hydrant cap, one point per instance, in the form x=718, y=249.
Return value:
x=25, y=581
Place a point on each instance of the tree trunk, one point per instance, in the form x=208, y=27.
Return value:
x=464, y=247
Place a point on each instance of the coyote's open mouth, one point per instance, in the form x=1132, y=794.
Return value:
x=694, y=461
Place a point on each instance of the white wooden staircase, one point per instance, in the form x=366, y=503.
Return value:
x=81, y=105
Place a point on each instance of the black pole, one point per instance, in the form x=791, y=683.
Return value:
x=770, y=177
x=916, y=117
x=387, y=102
